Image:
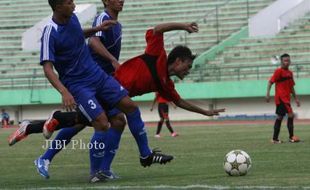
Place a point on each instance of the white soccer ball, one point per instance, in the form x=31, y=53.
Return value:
x=237, y=163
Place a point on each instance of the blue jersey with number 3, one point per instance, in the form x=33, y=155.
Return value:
x=64, y=45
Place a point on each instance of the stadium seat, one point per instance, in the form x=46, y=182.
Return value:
x=18, y=15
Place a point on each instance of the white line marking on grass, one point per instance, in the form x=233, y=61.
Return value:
x=172, y=187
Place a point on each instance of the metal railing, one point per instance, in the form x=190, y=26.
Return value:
x=210, y=20
x=207, y=73
x=201, y=73
x=24, y=81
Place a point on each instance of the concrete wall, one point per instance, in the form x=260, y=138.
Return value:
x=31, y=38
x=297, y=12
x=258, y=106
x=236, y=106
x=265, y=23
x=18, y=113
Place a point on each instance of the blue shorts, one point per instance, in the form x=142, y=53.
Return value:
x=90, y=97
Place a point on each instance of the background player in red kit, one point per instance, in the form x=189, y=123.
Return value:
x=283, y=78
x=163, y=112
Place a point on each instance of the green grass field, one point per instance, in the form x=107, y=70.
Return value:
x=198, y=151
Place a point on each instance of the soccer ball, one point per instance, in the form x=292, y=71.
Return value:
x=237, y=163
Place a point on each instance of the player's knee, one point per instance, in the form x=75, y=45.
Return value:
x=290, y=115
x=118, y=122
x=101, y=123
x=101, y=126
x=279, y=117
x=166, y=117
x=126, y=105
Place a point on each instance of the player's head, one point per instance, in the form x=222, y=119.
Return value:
x=285, y=60
x=116, y=5
x=64, y=7
x=180, y=61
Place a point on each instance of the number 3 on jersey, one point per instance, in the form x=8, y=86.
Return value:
x=92, y=104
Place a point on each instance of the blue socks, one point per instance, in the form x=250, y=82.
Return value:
x=62, y=139
x=102, y=158
x=112, y=140
x=138, y=130
x=95, y=153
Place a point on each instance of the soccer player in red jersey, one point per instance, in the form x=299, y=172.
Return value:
x=149, y=72
x=283, y=78
x=163, y=112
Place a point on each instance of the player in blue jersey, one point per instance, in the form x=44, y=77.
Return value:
x=116, y=142
x=81, y=82
x=105, y=49
x=105, y=46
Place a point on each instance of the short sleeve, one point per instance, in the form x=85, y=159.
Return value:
x=98, y=21
x=169, y=92
x=155, y=43
x=47, y=45
x=276, y=76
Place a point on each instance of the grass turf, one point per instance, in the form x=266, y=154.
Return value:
x=198, y=151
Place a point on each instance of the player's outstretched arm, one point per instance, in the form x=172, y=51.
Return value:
x=104, y=26
x=191, y=107
x=166, y=27
x=173, y=105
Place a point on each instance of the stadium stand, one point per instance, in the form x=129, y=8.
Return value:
x=256, y=58
x=224, y=68
x=20, y=69
x=218, y=19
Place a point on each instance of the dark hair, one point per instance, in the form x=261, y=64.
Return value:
x=54, y=3
x=104, y=3
x=284, y=55
x=181, y=52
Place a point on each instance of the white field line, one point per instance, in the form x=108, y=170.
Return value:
x=218, y=187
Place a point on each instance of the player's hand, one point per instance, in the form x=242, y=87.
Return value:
x=105, y=25
x=297, y=102
x=267, y=98
x=68, y=101
x=214, y=112
x=151, y=109
x=115, y=64
x=191, y=27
